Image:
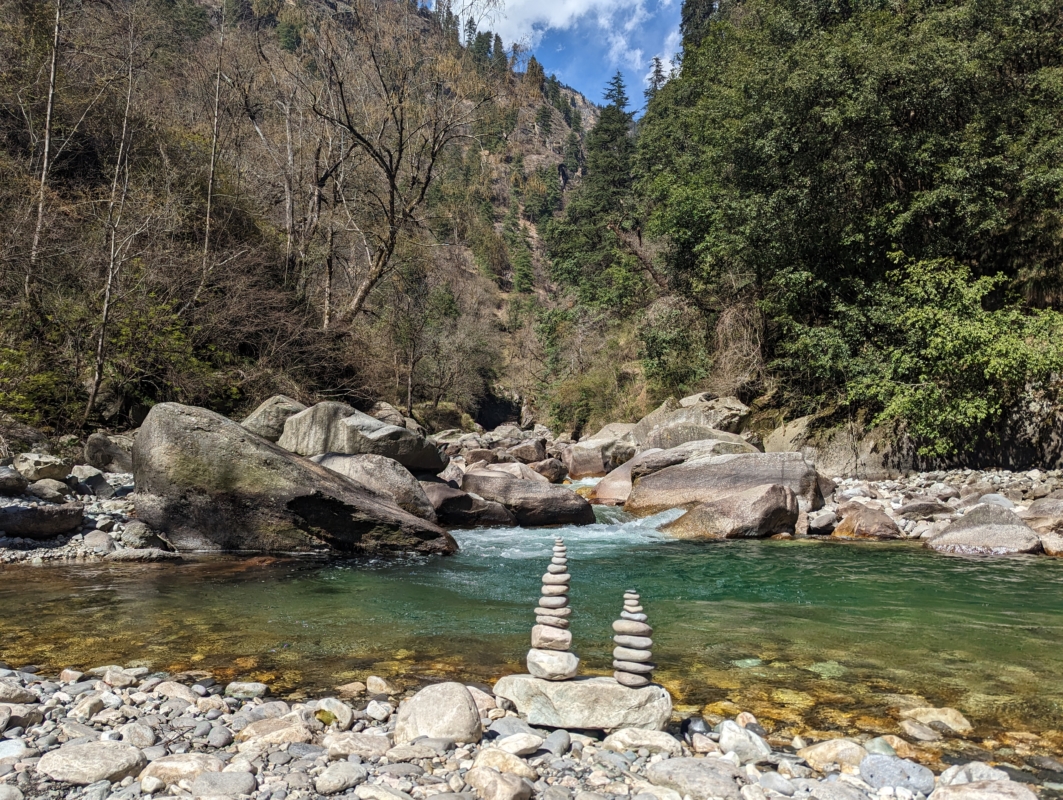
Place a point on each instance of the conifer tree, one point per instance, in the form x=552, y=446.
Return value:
x=657, y=79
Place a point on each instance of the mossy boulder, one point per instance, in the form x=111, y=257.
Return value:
x=208, y=484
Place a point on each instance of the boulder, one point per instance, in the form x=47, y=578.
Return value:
x=490, y=784
x=706, y=479
x=864, y=522
x=386, y=477
x=442, y=710
x=1043, y=516
x=522, y=472
x=601, y=453
x=460, y=509
x=747, y=745
x=99, y=542
x=532, y=503
x=1052, y=544
x=82, y=764
x=268, y=419
x=529, y=451
x=551, y=469
x=338, y=428
x=41, y=522
x=698, y=778
x=984, y=790
x=671, y=424
x=655, y=459
x=12, y=483
x=753, y=514
x=206, y=483
x=385, y=412
x=495, y=758
x=49, y=490
x=37, y=466
x=924, y=509
x=110, y=453
x=878, y=771
x=94, y=480
x=843, y=754
x=139, y=535
x=592, y=703
x=552, y=665
x=635, y=739
x=986, y=529
x=181, y=767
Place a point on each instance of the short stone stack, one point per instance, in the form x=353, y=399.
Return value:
x=551, y=639
x=632, y=655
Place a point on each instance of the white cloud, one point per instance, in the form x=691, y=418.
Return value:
x=526, y=21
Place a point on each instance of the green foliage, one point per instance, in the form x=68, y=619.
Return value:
x=520, y=254
x=542, y=195
x=544, y=118
x=945, y=363
x=672, y=352
x=288, y=36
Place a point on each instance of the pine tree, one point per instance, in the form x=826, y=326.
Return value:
x=499, y=59
x=470, y=31
x=535, y=74
x=616, y=94
x=657, y=79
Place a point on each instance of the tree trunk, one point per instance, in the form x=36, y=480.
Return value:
x=35, y=248
x=329, y=255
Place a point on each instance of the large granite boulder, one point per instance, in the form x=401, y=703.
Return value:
x=673, y=424
x=384, y=476
x=655, y=459
x=590, y=703
x=1045, y=515
x=522, y=472
x=707, y=479
x=753, y=514
x=91, y=762
x=532, y=503
x=601, y=453
x=41, y=466
x=41, y=522
x=110, y=453
x=338, y=428
x=206, y=483
x=986, y=530
x=459, y=509
x=268, y=419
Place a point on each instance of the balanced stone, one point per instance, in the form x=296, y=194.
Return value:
x=634, y=642
x=632, y=628
x=553, y=622
x=549, y=657
x=633, y=665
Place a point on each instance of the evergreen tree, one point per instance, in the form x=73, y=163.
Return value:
x=616, y=93
x=470, y=31
x=657, y=79
x=481, y=48
x=534, y=76
x=499, y=59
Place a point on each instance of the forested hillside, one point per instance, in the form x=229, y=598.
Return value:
x=851, y=210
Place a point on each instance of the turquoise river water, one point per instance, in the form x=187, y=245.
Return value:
x=808, y=635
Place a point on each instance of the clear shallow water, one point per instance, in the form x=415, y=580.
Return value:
x=809, y=636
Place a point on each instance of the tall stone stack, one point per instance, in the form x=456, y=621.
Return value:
x=632, y=655
x=551, y=639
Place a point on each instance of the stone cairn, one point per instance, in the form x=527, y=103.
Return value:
x=549, y=657
x=632, y=654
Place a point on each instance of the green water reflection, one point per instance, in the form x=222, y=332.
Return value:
x=811, y=636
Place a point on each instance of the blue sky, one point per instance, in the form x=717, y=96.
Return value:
x=584, y=42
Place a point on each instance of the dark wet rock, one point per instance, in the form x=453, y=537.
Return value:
x=41, y=522
x=463, y=510
x=206, y=483
x=268, y=419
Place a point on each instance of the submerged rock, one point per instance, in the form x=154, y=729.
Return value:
x=206, y=483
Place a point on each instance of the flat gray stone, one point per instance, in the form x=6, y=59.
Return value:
x=594, y=703
x=701, y=778
x=339, y=777
x=878, y=771
x=224, y=784
x=83, y=764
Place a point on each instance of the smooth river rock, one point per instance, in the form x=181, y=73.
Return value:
x=208, y=484
x=984, y=790
x=443, y=710
x=552, y=665
x=715, y=477
x=986, y=530
x=595, y=703
x=700, y=778
x=753, y=514
x=83, y=764
x=385, y=476
x=268, y=419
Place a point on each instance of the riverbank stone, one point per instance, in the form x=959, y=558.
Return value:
x=84, y=764
x=268, y=419
x=41, y=522
x=984, y=790
x=986, y=530
x=879, y=771
x=700, y=778
x=443, y=710
x=208, y=484
x=591, y=703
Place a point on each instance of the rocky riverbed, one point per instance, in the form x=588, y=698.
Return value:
x=118, y=733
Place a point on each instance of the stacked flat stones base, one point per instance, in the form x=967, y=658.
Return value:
x=551, y=639
x=632, y=655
